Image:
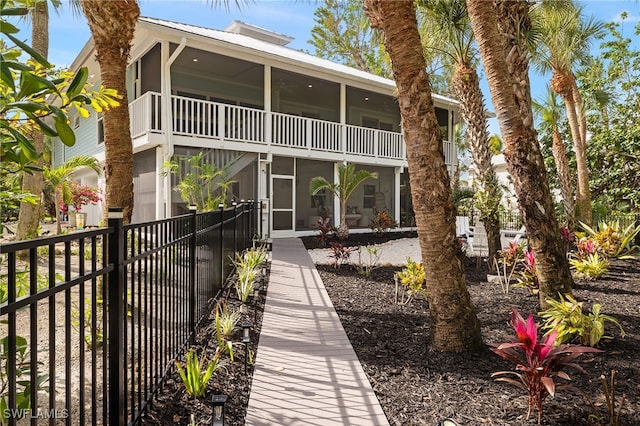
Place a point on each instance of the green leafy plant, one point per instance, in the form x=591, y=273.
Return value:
x=202, y=184
x=89, y=331
x=527, y=277
x=382, y=221
x=195, y=374
x=22, y=378
x=226, y=323
x=255, y=257
x=340, y=254
x=613, y=240
x=412, y=278
x=537, y=364
x=348, y=180
x=325, y=229
x=245, y=282
x=566, y=318
x=612, y=415
x=591, y=267
x=366, y=266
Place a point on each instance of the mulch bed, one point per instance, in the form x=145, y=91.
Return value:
x=418, y=386
x=172, y=405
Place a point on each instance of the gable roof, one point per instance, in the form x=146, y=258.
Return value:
x=280, y=52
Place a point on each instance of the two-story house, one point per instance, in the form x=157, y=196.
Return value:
x=273, y=116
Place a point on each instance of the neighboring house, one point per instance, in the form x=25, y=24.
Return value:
x=275, y=117
x=509, y=200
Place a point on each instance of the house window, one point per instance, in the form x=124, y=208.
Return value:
x=369, y=199
x=369, y=122
x=386, y=126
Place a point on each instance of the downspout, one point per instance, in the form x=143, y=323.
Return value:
x=168, y=122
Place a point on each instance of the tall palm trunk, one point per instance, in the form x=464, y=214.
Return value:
x=466, y=86
x=456, y=325
x=562, y=167
x=509, y=84
x=33, y=183
x=563, y=84
x=112, y=24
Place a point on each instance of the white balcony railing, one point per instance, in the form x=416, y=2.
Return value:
x=205, y=119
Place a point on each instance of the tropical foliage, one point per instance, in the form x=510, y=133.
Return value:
x=348, y=180
x=566, y=318
x=538, y=364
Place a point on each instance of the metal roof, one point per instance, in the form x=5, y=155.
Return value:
x=278, y=51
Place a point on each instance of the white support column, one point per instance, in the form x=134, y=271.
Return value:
x=396, y=194
x=160, y=209
x=343, y=117
x=268, y=118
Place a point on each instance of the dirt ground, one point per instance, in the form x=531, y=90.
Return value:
x=417, y=386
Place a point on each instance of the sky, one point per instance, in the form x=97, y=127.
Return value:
x=69, y=31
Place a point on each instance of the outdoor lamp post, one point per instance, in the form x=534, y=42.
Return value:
x=246, y=339
x=218, y=410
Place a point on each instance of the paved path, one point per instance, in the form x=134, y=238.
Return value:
x=306, y=371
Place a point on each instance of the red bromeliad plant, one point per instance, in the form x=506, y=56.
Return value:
x=537, y=363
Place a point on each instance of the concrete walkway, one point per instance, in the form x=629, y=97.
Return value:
x=306, y=371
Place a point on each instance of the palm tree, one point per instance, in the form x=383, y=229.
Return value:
x=33, y=182
x=499, y=29
x=60, y=179
x=563, y=44
x=550, y=115
x=456, y=325
x=348, y=180
x=449, y=20
x=112, y=24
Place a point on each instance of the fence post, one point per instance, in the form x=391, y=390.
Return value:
x=115, y=301
x=235, y=228
x=192, y=271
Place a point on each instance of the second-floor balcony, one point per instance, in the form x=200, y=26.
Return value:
x=223, y=122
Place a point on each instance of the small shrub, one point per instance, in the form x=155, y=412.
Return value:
x=255, y=257
x=537, y=364
x=325, y=229
x=244, y=284
x=382, y=222
x=365, y=267
x=340, y=254
x=22, y=378
x=613, y=240
x=413, y=279
x=591, y=267
x=528, y=277
x=566, y=318
x=226, y=323
x=196, y=373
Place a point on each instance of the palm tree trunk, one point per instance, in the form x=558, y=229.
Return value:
x=466, y=86
x=33, y=183
x=112, y=24
x=581, y=163
x=456, y=325
x=562, y=84
x=509, y=84
x=566, y=187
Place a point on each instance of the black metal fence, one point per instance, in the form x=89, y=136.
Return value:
x=90, y=322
